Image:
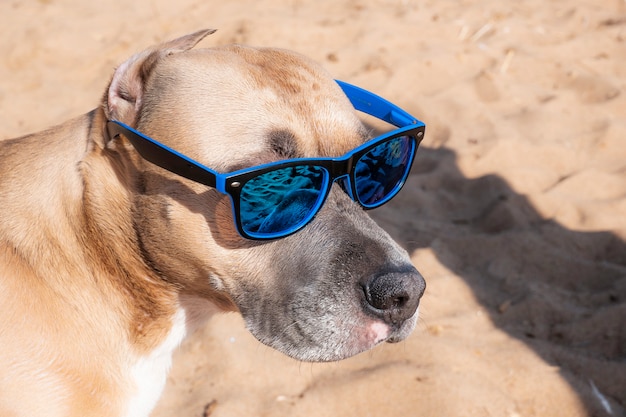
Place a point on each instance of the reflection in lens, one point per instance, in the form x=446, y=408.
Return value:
x=281, y=200
x=381, y=171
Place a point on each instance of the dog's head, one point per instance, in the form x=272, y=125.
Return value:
x=335, y=288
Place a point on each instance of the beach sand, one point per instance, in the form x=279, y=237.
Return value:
x=515, y=211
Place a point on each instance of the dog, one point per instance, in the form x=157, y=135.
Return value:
x=108, y=259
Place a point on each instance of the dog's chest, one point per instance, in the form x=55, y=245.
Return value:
x=149, y=373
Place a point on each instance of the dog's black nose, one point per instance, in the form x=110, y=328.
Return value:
x=394, y=296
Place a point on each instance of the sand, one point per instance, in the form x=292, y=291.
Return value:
x=515, y=212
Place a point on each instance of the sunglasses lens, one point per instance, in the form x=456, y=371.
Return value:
x=279, y=202
x=381, y=172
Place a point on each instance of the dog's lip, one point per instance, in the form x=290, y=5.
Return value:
x=400, y=333
x=378, y=332
x=395, y=339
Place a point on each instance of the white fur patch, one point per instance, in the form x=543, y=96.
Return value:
x=150, y=372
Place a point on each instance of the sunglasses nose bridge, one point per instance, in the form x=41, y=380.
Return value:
x=340, y=173
x=344, y=182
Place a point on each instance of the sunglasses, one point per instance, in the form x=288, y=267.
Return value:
x=277, y=199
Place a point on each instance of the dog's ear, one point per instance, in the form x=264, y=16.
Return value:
x=123, y=99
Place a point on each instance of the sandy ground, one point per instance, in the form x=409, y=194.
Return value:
x=515, y=212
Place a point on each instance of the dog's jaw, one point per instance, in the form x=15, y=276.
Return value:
x=337, y=341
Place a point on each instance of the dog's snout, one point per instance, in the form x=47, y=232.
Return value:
x=394, y=296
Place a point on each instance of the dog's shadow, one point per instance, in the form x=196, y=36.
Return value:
x=562, y=292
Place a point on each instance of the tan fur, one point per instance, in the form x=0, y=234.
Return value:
x=99, y=249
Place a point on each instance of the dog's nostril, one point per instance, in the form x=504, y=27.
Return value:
x=400, y=301
x=385, y=298
x=394, y=297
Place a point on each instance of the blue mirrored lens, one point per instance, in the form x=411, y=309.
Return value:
x=282, y=200
x=380, y=173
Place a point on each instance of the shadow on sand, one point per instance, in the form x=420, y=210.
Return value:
x=562, y=292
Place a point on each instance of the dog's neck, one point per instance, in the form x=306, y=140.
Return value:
x=77, y=223
x=111, y=242
x=68, y=249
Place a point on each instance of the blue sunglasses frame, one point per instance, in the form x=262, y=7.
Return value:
x=232, y=183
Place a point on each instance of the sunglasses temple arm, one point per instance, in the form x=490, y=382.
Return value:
x=162, y=156
x=376, y=106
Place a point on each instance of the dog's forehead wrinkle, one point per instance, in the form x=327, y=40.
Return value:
x=297, y=120
x=283, y=142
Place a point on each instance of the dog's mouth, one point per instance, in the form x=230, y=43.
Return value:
x=339, y=341
x=377, y=332
x=323, y=326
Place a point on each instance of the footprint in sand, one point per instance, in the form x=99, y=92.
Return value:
x=591, y=88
